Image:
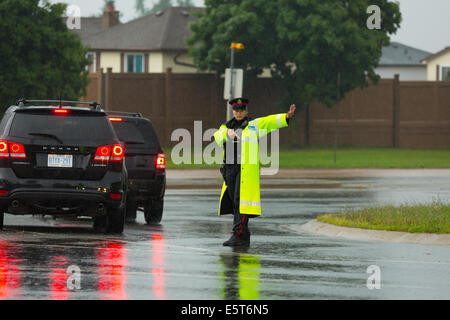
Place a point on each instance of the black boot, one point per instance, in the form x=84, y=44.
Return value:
x=237, y=240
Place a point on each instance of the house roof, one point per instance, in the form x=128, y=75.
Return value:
x=163, y=30
x=430, y=57
x=88, y=27
x=397, y=54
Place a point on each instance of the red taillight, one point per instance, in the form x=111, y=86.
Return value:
x=115, y=196
x=115, y=119
x=12, y=150
x=117, y=153
x=161, y=161
x=112, y=153
x=60, y=112
x=3, y=192
x=17, y=150
x=4, y=152
x=103, y=153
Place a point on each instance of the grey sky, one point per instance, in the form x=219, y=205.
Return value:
x=425, y=23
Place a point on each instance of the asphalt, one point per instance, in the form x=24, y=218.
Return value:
x=183, y=257
x=320, y=179
x=293, y=178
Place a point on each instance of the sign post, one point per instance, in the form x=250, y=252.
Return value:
x=233, y=84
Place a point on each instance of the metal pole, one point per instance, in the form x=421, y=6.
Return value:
x=337, y=116
x=229, y=108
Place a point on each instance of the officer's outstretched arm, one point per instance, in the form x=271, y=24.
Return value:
x=221, y=135
x=273, y=122
x=265, y=125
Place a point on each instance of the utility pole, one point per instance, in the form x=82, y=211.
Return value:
x=234, y=46
x=337, y=116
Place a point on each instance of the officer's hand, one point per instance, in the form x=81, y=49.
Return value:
x=232, y=134
x=291, y=111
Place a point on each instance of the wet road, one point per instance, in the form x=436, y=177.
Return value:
x=183, y=257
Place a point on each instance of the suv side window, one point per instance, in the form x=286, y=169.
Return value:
x=139, y=132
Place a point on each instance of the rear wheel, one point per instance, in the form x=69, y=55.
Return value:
x=2, y=216
x=116, y=220
x=153, y=211
x=112, y=222
x=101, y=224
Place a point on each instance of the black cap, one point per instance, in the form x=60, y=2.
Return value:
x=239, y=103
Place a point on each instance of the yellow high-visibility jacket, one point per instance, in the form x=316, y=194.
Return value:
x=250, y=199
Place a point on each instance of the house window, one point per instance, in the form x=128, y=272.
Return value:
x=134, y=63
x=445, y=73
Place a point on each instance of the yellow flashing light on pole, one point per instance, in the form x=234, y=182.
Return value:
x=238, y=46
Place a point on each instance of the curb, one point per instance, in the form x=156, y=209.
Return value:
x=330, y=230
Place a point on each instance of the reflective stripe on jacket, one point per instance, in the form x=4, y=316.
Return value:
x=250, y=199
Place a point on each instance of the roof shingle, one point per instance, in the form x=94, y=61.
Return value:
x=88, y=27
x=397, y=54
x=163, y=30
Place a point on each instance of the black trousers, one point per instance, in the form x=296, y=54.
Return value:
x=233, y=179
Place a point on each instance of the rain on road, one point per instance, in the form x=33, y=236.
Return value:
x=183, y=258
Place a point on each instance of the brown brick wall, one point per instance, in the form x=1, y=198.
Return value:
x=392, y=113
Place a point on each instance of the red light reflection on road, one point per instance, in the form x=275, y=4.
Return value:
x=58, y=278
x=111, y=271
x=9, y=273
x=157, y=266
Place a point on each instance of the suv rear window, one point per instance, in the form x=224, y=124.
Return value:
x=139, y=133
x=66, y=128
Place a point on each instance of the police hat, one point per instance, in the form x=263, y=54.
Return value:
x=239, y=103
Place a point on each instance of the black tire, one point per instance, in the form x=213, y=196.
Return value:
x=153, y=211
x=101, y=224
x=112, y=222
x=2, y=217
x=116, y=220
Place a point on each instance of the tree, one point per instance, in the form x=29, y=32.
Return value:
x=39, y=57
x=306, y=44
x=161, y=5
x=102, y=10
x=185, y=3
x=142, y=10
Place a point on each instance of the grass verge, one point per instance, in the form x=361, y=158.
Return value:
x=354, y=157
x=346, y=157
x=420, y=218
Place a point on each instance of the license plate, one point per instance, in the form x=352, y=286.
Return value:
x=60, y=160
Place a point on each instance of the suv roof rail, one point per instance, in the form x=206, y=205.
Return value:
x=133, y=114
x=22, y=102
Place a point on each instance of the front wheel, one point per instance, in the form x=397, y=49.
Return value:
x=153, y=211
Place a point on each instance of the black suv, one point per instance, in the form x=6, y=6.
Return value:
x=145, y=162
x=62, y=161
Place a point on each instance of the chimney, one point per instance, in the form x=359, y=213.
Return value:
x=110, y=16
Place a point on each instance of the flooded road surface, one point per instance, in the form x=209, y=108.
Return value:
x=183, y=258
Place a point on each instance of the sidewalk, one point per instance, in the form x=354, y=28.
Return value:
x=293, y=178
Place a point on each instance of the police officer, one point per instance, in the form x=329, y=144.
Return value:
x=240, y=191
